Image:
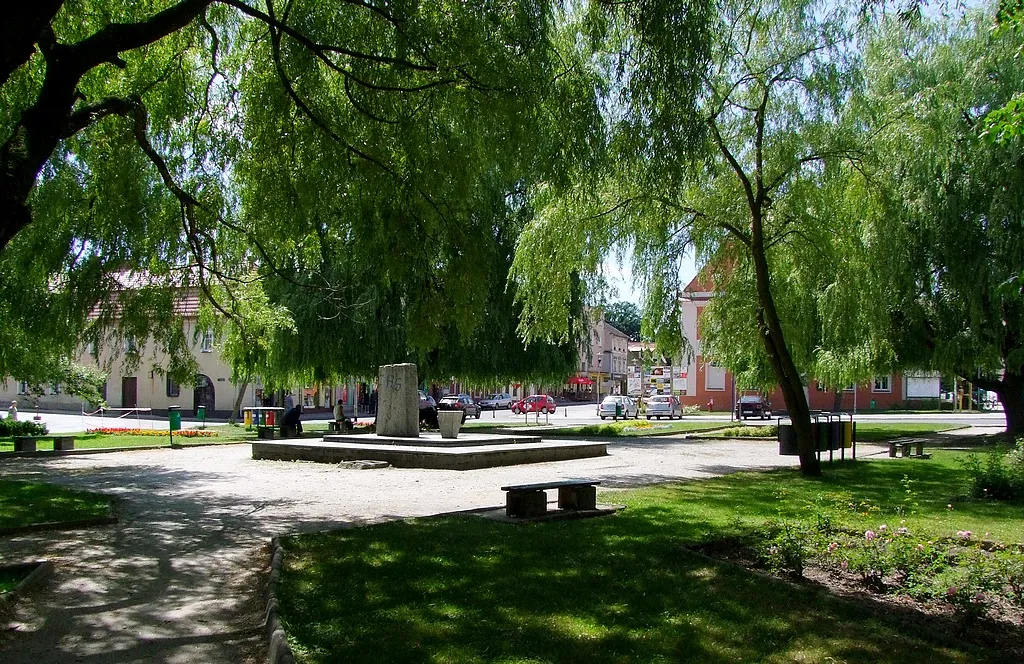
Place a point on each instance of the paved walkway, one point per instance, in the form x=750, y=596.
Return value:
x=177, y=579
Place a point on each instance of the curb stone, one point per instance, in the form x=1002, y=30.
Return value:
x=59, y=525
x=278, y=651
x=43, y=569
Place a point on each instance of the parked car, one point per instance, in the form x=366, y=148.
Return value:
x=626, y=407
x=428, y=409
x=538, y=403
x=751, y=405
x=496, y=401
x=664, y=405
x=462, y=402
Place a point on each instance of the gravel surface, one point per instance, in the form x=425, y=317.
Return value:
x=179, y=578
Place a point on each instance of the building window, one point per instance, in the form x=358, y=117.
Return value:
x=206, y=345
x=23, y=387
x=881, y=384
x=54, y=388
x=173, y=389
x=130, y=345
x=714, y=377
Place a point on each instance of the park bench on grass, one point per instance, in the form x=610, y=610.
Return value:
x=904, y=447
x=529, y=500
x=28, y=443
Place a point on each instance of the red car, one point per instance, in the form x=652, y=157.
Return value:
x=538, y=403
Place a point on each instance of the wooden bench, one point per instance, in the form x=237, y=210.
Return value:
x=339, y=427
x=904, y=447
x=529, y=500
x=28, y=443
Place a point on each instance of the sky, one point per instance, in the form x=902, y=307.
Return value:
x=620, y=277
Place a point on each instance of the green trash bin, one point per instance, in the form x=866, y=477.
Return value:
x=618, y=410
x=201, y=414
x=174, y=417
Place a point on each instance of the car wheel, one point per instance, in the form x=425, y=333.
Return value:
x=544, y=410
x=648, y=417
x=479, y=413
x=603, y=417
x=464, y=414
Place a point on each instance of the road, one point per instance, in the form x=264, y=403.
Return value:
x=564, y=415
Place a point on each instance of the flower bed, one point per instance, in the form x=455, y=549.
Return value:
x=184, y=433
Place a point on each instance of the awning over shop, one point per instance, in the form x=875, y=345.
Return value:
x=580, y=380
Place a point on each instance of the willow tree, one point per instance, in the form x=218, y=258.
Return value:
x=727, y=158
x=347, y=149
x=948, y=229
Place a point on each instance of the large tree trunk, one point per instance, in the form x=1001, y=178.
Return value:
x=1011, y=394
x=781, y=360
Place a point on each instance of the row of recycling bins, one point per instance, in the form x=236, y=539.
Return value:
x=829, y=433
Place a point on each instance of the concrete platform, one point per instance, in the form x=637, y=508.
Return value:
x=434, y=439
x=465, y=457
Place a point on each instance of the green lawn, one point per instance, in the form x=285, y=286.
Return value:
x=27, y=503
x=868, y=432
x=623, y=588
x=225, y=434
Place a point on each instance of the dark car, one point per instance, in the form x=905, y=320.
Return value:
x=752, y=405
x=462, y=402
x=538, y=403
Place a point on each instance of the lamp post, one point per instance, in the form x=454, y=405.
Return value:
x=598, y=380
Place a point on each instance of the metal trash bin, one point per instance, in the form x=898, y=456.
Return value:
x=787, y=440
x=174, y=417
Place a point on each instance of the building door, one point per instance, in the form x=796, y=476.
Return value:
x=129, y=392
x=204, y=393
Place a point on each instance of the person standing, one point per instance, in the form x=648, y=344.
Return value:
x=12, y=411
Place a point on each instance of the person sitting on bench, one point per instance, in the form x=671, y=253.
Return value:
x=291, y=420
x=344, y=423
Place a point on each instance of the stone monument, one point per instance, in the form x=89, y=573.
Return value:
x=398, y=404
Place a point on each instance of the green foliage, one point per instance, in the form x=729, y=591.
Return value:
x=999, y=476
x=9, y=427
x=943, y=232
x=624, y=316
x=368, y=166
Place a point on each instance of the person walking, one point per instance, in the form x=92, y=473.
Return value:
x=12, y=411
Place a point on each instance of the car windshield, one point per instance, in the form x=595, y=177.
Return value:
x=612, y=400
x=449, y=399
x=660, y=399
x=750, y=399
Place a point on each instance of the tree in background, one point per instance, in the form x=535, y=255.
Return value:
x=727, y=127
x=945, y=234
x=624, y=316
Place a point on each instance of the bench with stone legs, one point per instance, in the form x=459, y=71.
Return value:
x=28, y=443
x=905, y=448
x=529, y=500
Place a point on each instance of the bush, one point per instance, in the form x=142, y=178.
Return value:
x=768, y=431
x=999, y=476
x=9, y=427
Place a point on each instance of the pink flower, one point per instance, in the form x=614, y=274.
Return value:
x=844, y=565
x=870, y=535
x=963, y=534
x=951, y=591
x=902, y=531
x=882, y=527
x=920, y=547
x=832, y=547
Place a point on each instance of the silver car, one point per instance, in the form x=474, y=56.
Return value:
x=664, y=405
x=496, y=401
x=618, y=406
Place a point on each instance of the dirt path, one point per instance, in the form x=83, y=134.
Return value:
x=178, y=578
